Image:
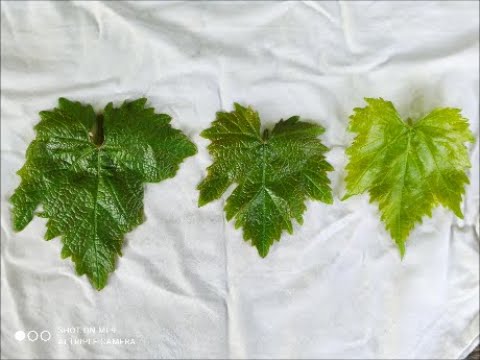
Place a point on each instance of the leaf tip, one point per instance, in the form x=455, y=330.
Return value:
x=201, y=202
x=237, y=106
x=19, y=223
x=99, y=284
x=262, y=251
x=63, y=100
x=193, y=148
x=17, y=227
x=328, y=199
x=140, y=101
x=401, y=248
x=204, y=133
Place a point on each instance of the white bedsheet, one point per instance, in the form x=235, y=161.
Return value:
x=188, y=286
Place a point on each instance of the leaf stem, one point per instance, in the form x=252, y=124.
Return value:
x=97, y=132
x=265, y=135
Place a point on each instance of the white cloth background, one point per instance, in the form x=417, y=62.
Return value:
x=188, y=285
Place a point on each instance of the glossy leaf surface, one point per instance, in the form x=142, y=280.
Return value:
x=275, y=172
x=88, y=173
x=408, y=168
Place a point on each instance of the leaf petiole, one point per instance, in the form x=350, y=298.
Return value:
x=97, y=135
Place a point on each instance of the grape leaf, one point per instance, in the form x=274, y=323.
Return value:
x=410, y=167
x=275, y=172
x=88, y=171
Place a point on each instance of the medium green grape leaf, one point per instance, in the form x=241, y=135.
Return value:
x=88, y=172
x=410, y=167
x=275, y=172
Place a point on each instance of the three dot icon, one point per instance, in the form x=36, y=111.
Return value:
x=33, y=335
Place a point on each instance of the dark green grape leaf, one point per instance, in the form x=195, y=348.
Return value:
x=88, y=172
x=275, y=172
x=410, y=167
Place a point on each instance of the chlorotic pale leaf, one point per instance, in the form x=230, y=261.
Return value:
x=408, y=167
x=88, y=172
x=275, y=172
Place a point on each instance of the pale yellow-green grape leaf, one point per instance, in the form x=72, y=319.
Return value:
x=88, y=173
x=408, y=167
x=275, y=172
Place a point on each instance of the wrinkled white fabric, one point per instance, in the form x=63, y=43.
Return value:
x=188, y=286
